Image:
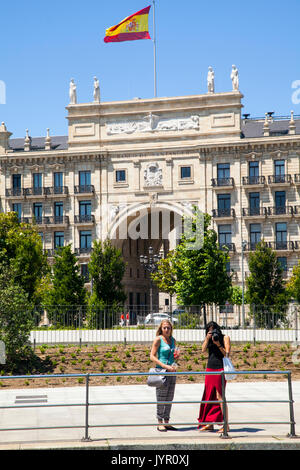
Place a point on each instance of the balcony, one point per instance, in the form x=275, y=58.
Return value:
x=84, y=189
x=280, y=211
x=33, y=192
x=222, y=183
x=285, y=246
x=279, y=180
x=297, y=179
x=296, y=211
x=227, y=246
x=14, y=192
x=56, y=191
x=254, y=212
x=48, y=220
x=83, y=251
x=86, y=219
x=254, y=181
x=227, y=213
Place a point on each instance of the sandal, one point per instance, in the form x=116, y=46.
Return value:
x=221, y=430
x=161, y=428
x=207, y=427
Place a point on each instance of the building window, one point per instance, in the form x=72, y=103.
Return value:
x=85, y=211
x=85, y=240
x=58, y=211
x=280, y=201
x=59, y=238
x=253, y=172
x=16, y=184
x=84, y=181
x=281, y=236
x=282, y=260
x=224, y=232
x=279, y=168
x=224, y=205
x=84, y=269
x=17, y=207
x=38, y=212
x=223, y=170
x=185, y=172
x=58, y=180
x=255, y=235
x=37, y=183
x=120, y=176
x=254, y=203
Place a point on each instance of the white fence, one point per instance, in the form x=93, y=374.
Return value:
x=125, y=335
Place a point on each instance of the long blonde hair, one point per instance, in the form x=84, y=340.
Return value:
x=159, y=329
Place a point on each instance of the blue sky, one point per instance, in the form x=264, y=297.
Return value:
x=45, y=44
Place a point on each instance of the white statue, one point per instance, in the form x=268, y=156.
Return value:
x=153, y=175
x=210, y=80
x=235, y=78
x=96, y=90
x=72, y=92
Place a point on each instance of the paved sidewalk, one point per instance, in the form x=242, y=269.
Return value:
x=249, y=428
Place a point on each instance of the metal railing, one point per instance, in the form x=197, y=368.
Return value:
x=87, y=404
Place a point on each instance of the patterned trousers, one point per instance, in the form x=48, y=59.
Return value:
x=165, y=393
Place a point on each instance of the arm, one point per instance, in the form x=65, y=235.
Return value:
x=206, y=341
x=154, y=358
x=226, y=350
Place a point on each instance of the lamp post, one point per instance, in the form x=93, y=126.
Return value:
x=244, y=245
x=149, y=264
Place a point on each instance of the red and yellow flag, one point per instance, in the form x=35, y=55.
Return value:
x=131, y=28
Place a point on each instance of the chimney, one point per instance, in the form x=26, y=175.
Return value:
x=4, y=138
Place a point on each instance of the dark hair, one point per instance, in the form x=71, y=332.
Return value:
x=215, y=327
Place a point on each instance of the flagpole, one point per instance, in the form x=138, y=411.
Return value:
x=154, y=50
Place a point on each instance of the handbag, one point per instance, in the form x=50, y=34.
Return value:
x=157, y=379
x=229, y=369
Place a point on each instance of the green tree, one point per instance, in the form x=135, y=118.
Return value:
x=165, y=277
x=21, y=252
x=107, y=269
x=293, y=286
x=16, y=316
x=67, y=294
x=201, y=276
x=266, y=290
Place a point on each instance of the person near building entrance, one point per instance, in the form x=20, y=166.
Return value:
x=218, y=347
x=164, y=353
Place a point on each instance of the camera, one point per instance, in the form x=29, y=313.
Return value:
x=215, y=335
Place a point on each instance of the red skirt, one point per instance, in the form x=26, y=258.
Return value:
x=211, y=412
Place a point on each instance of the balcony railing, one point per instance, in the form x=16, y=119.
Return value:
x=279, y=179
x=253, y=180
x=280, y=210
x=297, y=178
x=254, y=211
x=14, y=192
x=228, y=212
x=281, y=245
x=55, y=190
x=84, y=219
x=222, y=182
x=227, y=246
x=83, y=250
x=33, y=191
x=86, y=188
x=48, y=220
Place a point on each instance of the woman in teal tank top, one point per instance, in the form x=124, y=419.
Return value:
x=162, y=353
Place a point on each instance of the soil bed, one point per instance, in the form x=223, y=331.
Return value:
x=120, y=358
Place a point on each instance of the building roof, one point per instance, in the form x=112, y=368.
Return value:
x=251, y=128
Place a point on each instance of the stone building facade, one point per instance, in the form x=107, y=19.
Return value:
x=143, y=163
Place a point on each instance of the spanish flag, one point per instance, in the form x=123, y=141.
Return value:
x=131, y=28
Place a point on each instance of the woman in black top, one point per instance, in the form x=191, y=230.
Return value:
x=218, y=347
